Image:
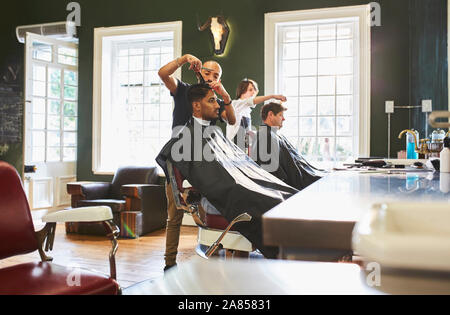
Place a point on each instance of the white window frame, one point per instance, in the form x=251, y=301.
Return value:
x=270, y=56
x=99, y=96
x=54, y=64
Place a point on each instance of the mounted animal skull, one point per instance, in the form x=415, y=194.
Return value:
x=219, y=32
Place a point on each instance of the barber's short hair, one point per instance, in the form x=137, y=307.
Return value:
x=197, y=92
x=243, y=86
x=273, y=107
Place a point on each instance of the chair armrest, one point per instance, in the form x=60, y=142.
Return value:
x=135, y=190
x=90, y=190
x=85, y=214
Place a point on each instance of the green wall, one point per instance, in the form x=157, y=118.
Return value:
x=391, y=49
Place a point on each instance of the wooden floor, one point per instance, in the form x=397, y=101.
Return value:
x=137, y=259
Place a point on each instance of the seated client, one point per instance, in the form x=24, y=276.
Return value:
x=274, y=153
x=222, y=172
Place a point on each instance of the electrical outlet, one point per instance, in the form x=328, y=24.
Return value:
x=389, y=107
x=427, y=106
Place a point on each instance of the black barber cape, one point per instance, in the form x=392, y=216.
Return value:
x=227, y=177
x=292, y=168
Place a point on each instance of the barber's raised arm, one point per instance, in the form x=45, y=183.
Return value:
x=261, y=99
x=166, y=72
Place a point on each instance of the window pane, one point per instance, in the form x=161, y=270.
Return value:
x=38, y=154
x=151, y=129
x=70, y=139
x=165, y=112
x=167, y=47
x=136, y=78
x=151, y=78
x=38, y=105
x=327, y=32
x=66, y=60
x=39, y=88
x=70, y=109
x=136, y=63
x=326, y=126
x=290, y=86
x=153, y=62
x=325, y=148
x=290, y=68
x=135, y=112
x=38, y=138
x=344, y=66
x=53, y=154
x=307, y=126
x=290, y=51
x=53, y=138
x=136, y=51
x=326, y=105
x=70, y=123
x=67, y=56
x=70, y=92
x=38, y=73
x=344, y=85
x=344, y=126
x=54, y=107
x=308, y=33
x=42, y=51
x=151, y=112
x=308, y=67
x=345, y=105
x=292, y=107
x=136, y=95
x=344, y=148
x=327, y=85
x=53, y=122
x=308, y=106
x=152, y=95
x=70, y=77
x=308, y=50
x=308, y=86
x=290, y=127
x=345, y=30
x=306, y=145
x=70, y=154
x=38, y=121
x=327, y=49
x=166, y=58
x=344, y=48
x=123, y=63
x=291, y=34
x=327, y=66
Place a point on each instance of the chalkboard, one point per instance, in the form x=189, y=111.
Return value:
x=11, y=115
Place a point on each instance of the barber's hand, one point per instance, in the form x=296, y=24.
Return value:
x=218, y=87
x=280, y=98
x=195, y=63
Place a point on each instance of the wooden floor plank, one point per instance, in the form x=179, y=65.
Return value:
x=137, y=259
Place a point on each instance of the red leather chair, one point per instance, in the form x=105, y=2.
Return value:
x=214, y=230
x=18, y=237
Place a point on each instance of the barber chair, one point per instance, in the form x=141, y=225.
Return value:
x=135, y=195
x=19, y=237
x=215, y=232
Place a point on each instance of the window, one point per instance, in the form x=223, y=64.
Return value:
x=132, y=107
x=52, y=102
x=319, y=59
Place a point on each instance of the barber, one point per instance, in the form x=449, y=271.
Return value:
x=210, y=72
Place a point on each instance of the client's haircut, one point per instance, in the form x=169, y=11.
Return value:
x=273, y=107
x=197, y=92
